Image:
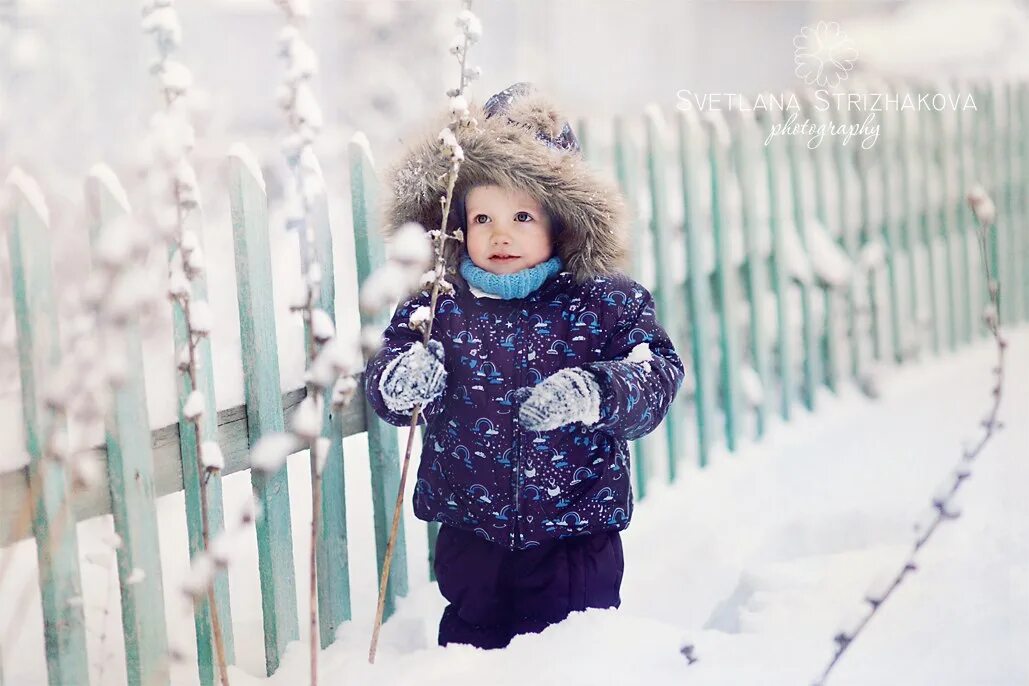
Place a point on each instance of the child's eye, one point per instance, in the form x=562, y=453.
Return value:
x=523, y=217
x=481, y=218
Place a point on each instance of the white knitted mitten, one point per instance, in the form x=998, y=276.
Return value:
x=416, y=376
x=569, y=395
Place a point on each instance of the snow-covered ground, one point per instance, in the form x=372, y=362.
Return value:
x=754, y=560
x=757, y=559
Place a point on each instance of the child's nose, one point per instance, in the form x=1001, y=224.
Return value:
x=501, y=236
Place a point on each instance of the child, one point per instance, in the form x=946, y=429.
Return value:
x=542, y=365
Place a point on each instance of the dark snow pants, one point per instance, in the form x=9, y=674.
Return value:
x=496, y=593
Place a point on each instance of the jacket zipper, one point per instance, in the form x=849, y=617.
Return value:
x=516, y=533
x=516, y=478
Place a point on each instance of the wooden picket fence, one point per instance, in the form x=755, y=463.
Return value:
x=755, y=333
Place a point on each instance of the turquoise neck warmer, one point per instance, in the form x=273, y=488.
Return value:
x=509, y=286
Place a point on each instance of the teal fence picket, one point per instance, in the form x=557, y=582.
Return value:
x=130, y=475
x=691, y=148
x=850, y=217
x=779, y=211
x=869, y=242
x=254, y=293
x=751, y=179
x=1009, y=230
x=333, y=574
x=982, y=154
x=913, y=332
x=964, y=123
x=929, y=228
x=725, y=278
x=889, y=169
x=665, y=296
x=625, y=166
x=1021, y=191
x=797, y=160
x=825, y=191
x=383, y=451
x=942, y=134
x=57, y=551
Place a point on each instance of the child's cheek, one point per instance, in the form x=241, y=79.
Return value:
x=477, y=246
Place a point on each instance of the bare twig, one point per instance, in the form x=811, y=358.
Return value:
x=944, y=503
x=176, y=184
x=332, y=363
x=470, y=32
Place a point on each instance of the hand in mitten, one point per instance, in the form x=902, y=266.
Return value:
x=570, y=395
x=416, y=376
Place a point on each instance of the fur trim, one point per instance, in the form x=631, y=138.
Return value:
x=504, y=150
x=535, y=112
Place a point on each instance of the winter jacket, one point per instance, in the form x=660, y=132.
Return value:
x=479, y=470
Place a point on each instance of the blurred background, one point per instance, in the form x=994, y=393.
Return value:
x=74, y=87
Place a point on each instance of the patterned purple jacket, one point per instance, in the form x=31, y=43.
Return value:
x=479, y=470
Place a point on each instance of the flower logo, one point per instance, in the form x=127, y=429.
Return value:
x=824, y=54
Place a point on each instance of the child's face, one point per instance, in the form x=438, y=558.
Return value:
x=508, y=230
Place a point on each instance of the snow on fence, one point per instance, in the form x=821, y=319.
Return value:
x=777, y=269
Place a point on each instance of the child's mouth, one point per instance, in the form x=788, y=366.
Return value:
x=503, y=258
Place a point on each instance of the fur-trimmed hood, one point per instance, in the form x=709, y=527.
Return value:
x=507, y=150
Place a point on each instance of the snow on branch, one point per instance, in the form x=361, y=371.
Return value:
x=174, y=197
x=405, y=270
x=409, y=256
x=175, y=194
x=328, y=357
x=333, y=361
